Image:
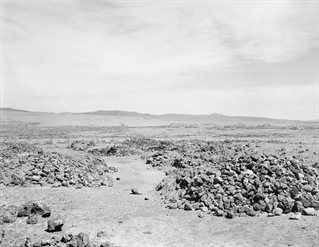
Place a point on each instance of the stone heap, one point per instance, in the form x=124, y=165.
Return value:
x=69, y=240
x=147, y=144
x=234, y=180
x=81, y=145
x=9, y=148
x=132, y=146
x=33, y=210
x=54, y=169
x=115, y=150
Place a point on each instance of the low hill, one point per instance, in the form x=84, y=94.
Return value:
x=116, y=118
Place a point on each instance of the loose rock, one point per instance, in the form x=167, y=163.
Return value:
x=135, y=191
x=55, y=224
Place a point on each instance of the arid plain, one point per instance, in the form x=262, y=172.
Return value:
x=157, y=182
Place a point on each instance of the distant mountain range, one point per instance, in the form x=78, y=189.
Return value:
x=115, y=118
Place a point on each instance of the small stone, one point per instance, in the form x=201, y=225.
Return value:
x=296, y=216
x=55, y=224
x=309, y=211
x=315, y=204
x=42, y=209
x=188, y=206
x=107, y=244
x=218, y=180
x=56, y=185
x=79, y=186
x=25, y=209
x=204, y=209
x=83, y=240
x=146, y=198
x=46, y=242
x=277, y=211
x=37, y=244
x=65, y=183
x=298, y=207
x=101, y=234
x=32, y=219
x=66, y=238
x=229, y=215
x=28, y=243
x=72, y=243
x=201, y=214
x=134, y=191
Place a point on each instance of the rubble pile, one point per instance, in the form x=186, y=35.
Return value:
x=192, y=153
x=147, y=144
x=132, y=146
x=54, y=169
x=234, y=180
x=33, y=210
x=10, y=148
x=69, y=240
x=115, y=150
x=81, y=145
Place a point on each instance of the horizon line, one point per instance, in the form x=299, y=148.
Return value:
x=144, y=113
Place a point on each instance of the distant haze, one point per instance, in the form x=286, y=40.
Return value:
x=240, y=58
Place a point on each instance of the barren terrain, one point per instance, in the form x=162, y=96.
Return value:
x=126, y=219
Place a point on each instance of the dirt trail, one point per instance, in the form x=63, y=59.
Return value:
x=129, y=220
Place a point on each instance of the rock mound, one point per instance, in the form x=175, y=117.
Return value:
x=9, y=148
x=81, y=145
x=115, y=150
x=55, y=169
x=31, y=209
x=235, y=180
x=132, y=146
x=80, y=240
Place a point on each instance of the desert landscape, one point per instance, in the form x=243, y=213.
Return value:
x=149, y=123
x=241, y=182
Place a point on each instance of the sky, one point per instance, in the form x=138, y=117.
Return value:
x=242, y=58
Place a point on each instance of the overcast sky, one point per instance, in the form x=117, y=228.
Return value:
x=253, y=58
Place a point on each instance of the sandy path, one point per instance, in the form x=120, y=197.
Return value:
x=129, y=220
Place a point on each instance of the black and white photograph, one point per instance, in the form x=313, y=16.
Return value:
x=159, y=123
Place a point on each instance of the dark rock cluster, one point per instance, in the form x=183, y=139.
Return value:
x=9, y=148
x=81, y=145
x=132, y=146
x=234, y=180
x=67, y=240
x=32, y=210
x=54, y=169
x=147, y=144
x=115, y=150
